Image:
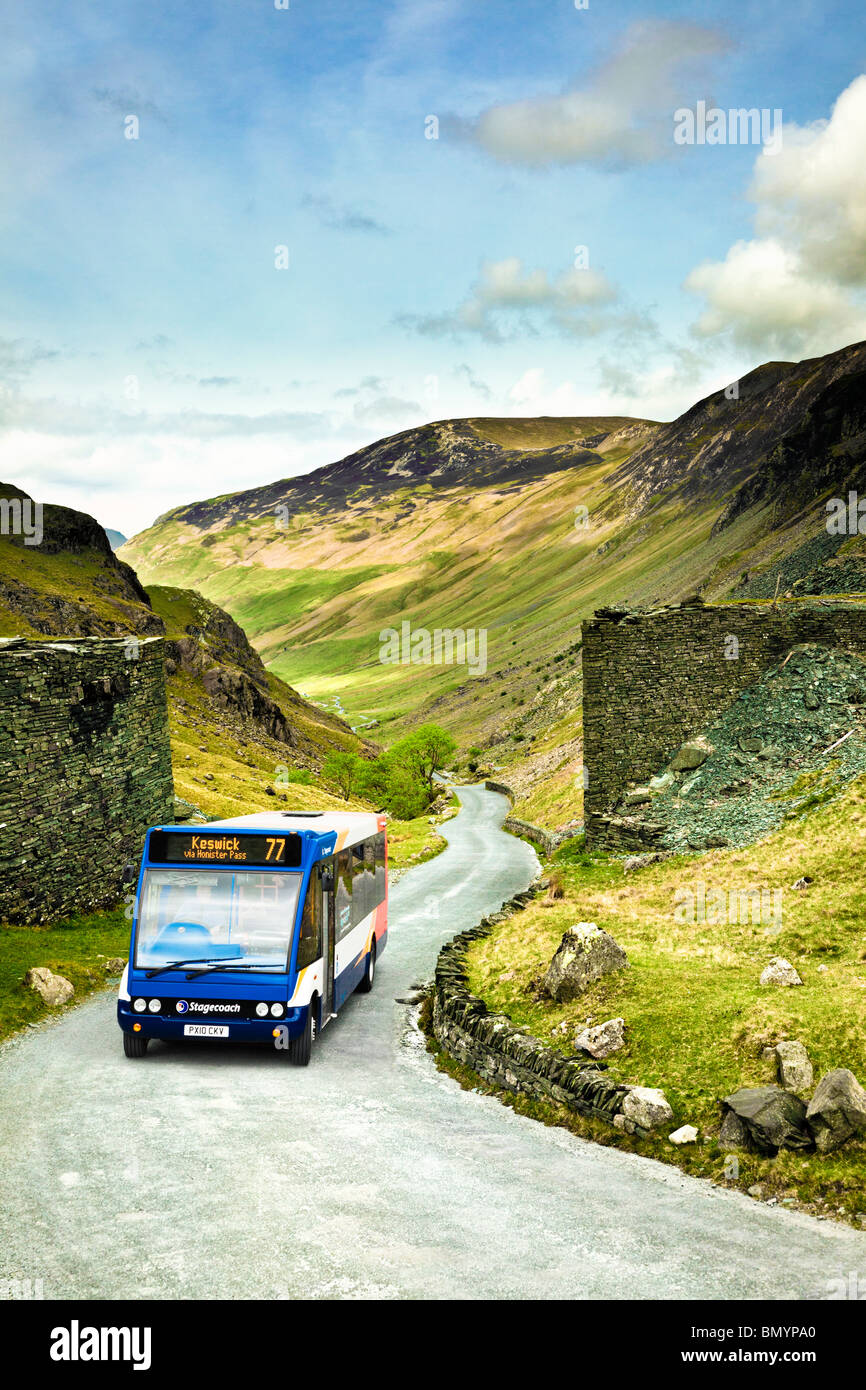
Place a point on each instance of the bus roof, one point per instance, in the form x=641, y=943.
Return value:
x=349, y=826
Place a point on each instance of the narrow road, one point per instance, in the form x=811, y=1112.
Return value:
x=205, y=1171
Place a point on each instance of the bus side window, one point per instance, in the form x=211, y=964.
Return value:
x=343, y=894
x=360, y=898
x=310, y=937
x=379, y=860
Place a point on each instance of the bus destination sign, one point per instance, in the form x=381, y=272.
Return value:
x=209, y=847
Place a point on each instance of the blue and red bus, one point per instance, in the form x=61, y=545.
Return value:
x=254, y=929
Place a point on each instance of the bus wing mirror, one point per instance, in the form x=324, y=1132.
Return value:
x=328, y=881
x=129, y=874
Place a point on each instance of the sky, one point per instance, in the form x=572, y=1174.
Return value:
x=240, y=239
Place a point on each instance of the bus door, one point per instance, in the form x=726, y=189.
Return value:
x=328, y=931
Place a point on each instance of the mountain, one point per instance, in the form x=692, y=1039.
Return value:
x=71, y=583
x=115, y=538
x=521, y=528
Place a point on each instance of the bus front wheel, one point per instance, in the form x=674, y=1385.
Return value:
x=134, y=1045
x=300, y=1048
x=369, y=970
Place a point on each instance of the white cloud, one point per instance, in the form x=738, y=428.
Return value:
x=797, y=286
x=621, y=116
x=506, y=291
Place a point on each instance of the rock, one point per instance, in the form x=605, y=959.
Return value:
x=640, y=861
x=603, y=1039
x=691, y=755
x=661, y=783
x=801, y=884
x=771, y=1117
x=780, y=972
x=756, y=1190
x=686, y=1134
x=716, y=841
x=52, y=989
x=584, y=954
x=690, y=783
x=646, y=1106
x=638, y=796
x=794, y=1067
x=837, y=1110
x=115, y=965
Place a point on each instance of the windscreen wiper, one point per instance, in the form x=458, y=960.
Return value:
x=227, y=965
x=176, y=964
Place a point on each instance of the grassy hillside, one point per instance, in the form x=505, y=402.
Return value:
x=697, y=1019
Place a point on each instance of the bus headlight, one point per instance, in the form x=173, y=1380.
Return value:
x=140, y=1005
x=261, y=1010
x=155, y=1005
x=277, y=1010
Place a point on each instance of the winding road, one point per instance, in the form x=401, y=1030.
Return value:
x=204, y=1171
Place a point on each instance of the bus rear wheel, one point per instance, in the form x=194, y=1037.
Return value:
x=134, y=1045
x=369, y=970
x=300, y=1048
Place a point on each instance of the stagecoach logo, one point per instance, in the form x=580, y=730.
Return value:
x=206, y=1006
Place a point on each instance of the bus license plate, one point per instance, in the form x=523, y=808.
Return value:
x=205, y=1030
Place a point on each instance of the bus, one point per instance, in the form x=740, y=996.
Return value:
x=255, y=929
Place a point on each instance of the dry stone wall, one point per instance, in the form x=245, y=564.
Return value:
x=85, y=768
x=503, y=1054
x=653, y=679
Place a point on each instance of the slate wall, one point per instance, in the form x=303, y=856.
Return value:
x=85, y=768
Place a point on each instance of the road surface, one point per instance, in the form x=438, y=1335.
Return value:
x=204, y=1171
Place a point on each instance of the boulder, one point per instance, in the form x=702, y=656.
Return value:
x=686, y=1134
x=52, y=989
x=603, y=1039
x=646, y=1106
x=734, y=1133
x=770, y=1119
x=793, y=1066
x=837, y=1110
x=780, y=972
x=584, y=955
x=691, y=755
x=114, y=965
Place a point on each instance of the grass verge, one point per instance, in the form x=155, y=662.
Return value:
x=75, y=948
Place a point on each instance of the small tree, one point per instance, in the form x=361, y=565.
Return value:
x=427, y=750
x=342, y=769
